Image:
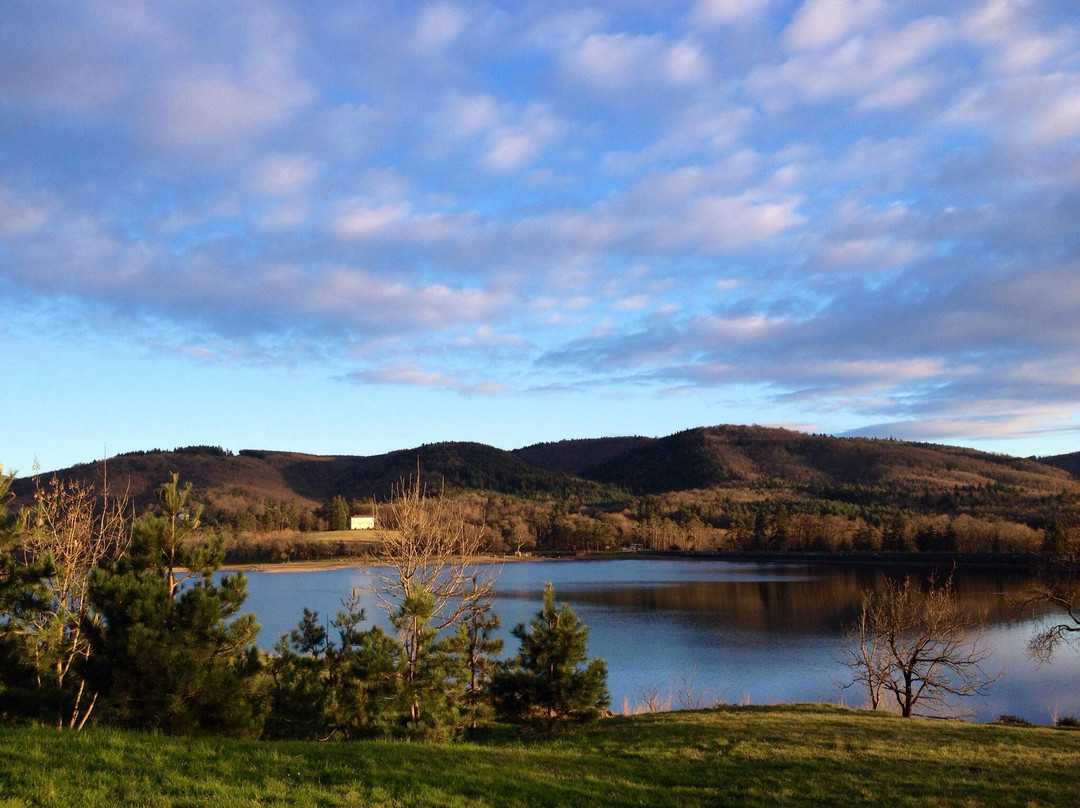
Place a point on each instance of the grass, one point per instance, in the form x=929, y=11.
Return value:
x=747, y=756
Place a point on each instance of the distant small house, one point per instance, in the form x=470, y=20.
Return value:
x=361, y=523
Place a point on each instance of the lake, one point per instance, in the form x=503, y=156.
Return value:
x=753, y=633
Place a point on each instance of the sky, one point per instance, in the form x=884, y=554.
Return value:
x=353, y=227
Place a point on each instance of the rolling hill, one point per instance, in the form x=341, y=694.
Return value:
x=753, y=455
x=602, y=470
x=230, y=482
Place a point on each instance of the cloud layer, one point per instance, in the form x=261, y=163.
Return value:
x=855, y=214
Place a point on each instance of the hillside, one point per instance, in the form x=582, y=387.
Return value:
x=752, y=455
x=580, y=456
x=230, y=482
x=1067, y=462
x=711, y=487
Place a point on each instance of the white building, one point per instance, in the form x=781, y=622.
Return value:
x=361, y=523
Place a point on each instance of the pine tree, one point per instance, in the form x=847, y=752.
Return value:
x=172, y=651
x=338, y=513
x=322, y=688
x=550, y=677
x=478, y=646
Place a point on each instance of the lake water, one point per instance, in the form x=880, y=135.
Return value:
x=742, y=632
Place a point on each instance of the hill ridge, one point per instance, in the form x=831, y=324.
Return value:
x=765, y=461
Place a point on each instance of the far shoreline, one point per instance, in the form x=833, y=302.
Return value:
x=1029, y=563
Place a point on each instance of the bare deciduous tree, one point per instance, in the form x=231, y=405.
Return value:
x=71, y=530
x=919, y=647
x=432, y=576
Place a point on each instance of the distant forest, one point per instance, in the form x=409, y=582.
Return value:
x=727, y=488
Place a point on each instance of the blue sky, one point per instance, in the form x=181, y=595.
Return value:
x=347, y=228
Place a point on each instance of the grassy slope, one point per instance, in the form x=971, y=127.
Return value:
x=806, y=755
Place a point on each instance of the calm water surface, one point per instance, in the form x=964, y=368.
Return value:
x=744, y=633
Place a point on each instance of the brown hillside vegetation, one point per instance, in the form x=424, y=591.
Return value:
x=724, y=487
x=723, y=455
x=734, y=457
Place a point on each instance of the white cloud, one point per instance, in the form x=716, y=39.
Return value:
x=438, y=25
x=617, y=61
x=685, y=63
x=821, y=23
x=722, y=12
x=211, y=96
x=720, y=331
x=284, y=174
x=871, y=253
x=732, y=222
x=511, y=147
x=885, y=69
x=486, y=336
x=202, y=112
x=19, y=216
x=1004, y=29
x=633, y=303
x=991, y=420
x=470, y=114
x=361, y=218
x=410, y=375
x=1028, y=110
x=511, y=137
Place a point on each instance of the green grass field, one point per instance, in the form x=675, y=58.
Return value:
x=802, y=755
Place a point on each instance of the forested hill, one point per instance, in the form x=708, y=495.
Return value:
x=752, y=455
x=1068, y=462
x=607, y=470
x=231, y=482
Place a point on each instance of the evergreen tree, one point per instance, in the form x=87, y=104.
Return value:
x=299, y=692
x=431, y=670
x=344, y=688
x=172, y=651
x=478, y=646
x=337, y=513
x=551, y=677
x=46, y=565
x=19, y=590
x=365, y=689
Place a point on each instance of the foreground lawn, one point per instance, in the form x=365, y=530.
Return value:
x=804, y=755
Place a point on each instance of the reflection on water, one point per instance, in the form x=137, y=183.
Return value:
x=745, y=632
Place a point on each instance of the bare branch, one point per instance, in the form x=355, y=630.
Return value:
x=73, y=529
x=1058, y=590
x=432, y=548
x=918, y=648
x=432, y=576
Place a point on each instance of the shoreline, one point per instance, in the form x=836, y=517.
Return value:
x=356, y=562
x=1028, y=562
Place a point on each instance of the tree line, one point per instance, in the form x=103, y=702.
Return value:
x=694, y=521
x=124, y=620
